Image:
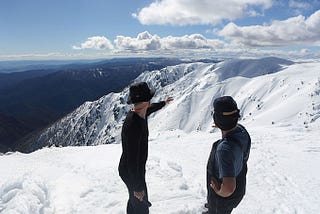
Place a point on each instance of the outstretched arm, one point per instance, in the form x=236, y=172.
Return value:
x=157, y=106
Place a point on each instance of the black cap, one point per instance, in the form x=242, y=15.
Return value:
x=225, y=105
x=226, y=112
x=140, y=92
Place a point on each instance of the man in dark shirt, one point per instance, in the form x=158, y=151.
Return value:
x=227, y=164
x=134, y=136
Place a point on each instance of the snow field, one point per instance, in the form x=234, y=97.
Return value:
x=282, y=176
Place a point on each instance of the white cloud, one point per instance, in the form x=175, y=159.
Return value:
x=194, y=41
x=95, y=42
x=300, y=5
x=144, y=41
x=196, y=45
x=189, y=12
x=147, y=42
x=293, y=31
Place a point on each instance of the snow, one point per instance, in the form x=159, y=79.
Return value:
x=262, y=86
x=282, y=178
x=280, y=109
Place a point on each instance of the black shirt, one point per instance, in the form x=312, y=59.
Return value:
x=134, y=136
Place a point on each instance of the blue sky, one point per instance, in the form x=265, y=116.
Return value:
x=63, y=29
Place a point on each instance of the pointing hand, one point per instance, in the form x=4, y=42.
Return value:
x=168, y=100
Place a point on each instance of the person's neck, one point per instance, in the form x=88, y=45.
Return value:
x=142, y=112
x=225, y=132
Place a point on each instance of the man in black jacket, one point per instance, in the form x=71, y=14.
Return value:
x=227, y=164
x=134, y=137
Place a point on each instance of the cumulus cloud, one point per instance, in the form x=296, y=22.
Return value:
x=189, y=12
x=95, y=42
x=147, y=42
x=144, y=41
x=293, y=31
x=197, y=45
x=194, y=41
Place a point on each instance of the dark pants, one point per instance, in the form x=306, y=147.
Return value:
x=134, y=205
x=220, y=205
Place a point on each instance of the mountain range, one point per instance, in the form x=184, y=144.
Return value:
x=33, y=99
x=254, y=83
x=279, y=102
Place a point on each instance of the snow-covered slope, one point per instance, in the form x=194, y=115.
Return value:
x=99, y=122
x=283, y=176
x=268, y=90
x=280, y=108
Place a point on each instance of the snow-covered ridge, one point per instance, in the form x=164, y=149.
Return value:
x=251, y=67
x=99, y=122
x=270, y=90
x=280, y=109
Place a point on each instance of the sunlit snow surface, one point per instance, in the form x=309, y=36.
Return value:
x=281, y=111
x=283, y=175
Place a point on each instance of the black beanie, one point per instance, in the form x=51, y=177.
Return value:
x=226, y=113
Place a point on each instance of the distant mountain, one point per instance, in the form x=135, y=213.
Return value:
x=47, y=95
x=194, y=86
x=13, y=66
x=11, y=79
x=10, y=132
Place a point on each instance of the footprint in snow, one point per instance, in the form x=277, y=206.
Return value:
x=24, y=195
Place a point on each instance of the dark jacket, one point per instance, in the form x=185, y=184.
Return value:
x=134, y=136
